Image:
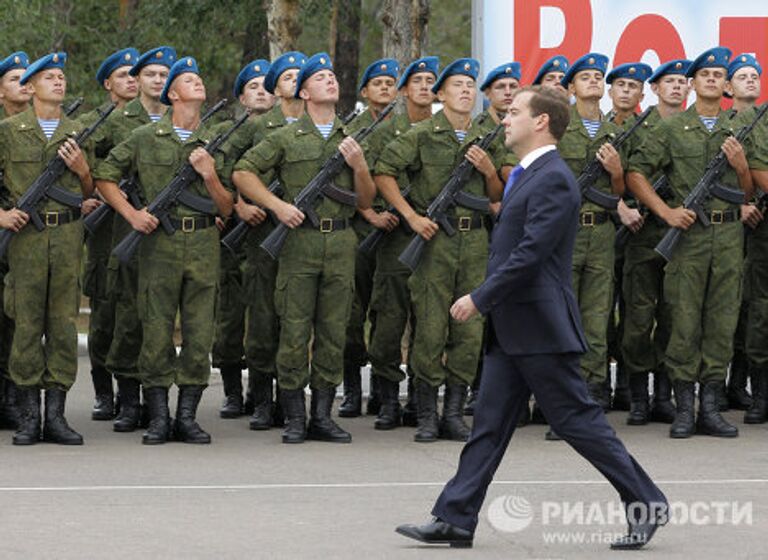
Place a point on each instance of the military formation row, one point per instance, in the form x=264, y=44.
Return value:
x=348, y=239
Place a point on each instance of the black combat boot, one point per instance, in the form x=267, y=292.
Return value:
x=709, y=421
x=622, y=394
x=186, y=428
x=469, y=408
x=758, y=412
x=452, y=424
x=278, y=418
x=410, y=410
x=638, y=412
x=599, y=394
x=56, y=429
x=352, y=404
x=685, y=398
x=104, y=403
x=390, y=413
x=374, y=397
x=128, y=418
x=662, y=408
x=28, y=406
x=738, y=397
x=159, y=428
x=9, y=414
x=232, y=378
x=295, y=411
x=321, y=426
x=261, y=394
x=426, y=407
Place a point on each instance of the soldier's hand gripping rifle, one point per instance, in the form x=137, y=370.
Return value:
x=45, y=186
x=372, y=240
x=129, y=185
x=175, y=192
x=319, y=186
x=236, y=235
x=452, y=194
x=661, y=188
x=708, y=186
x=594, y=169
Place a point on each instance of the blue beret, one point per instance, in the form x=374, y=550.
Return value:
x=384, y=67
x=181, y=66
x=717, y=57
x=124, y=57
x=555, y=64
x=742, y=61
x=590, y=61
x=292, y=59
x=461, y=66
x=677, y=66
x=426, y=64
x=16, y=60
x=631, y=70
x=53, y=60
x=508, y=70
x=315, y=63
x=160, y=55
x=253, y=69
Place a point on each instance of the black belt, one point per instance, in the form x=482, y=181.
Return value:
x=59, y=217
x=466, y=223
x=723, y=216
x=589, y=219
x=189, y=224
x=327, y=225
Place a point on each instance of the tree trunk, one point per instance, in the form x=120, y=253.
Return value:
x=283, y=26
x=405, y=29
x=127, y=11
x=346, y=53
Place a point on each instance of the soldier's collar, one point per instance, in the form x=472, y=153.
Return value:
x=440, y=123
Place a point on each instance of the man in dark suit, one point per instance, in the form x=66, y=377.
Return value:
x=535, y=337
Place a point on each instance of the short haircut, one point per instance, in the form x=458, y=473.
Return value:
x=553, y=103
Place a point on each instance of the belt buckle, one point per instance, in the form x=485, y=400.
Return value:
x=716, y=216
x=465, y=223
x=188, y=224
x=51, y=219
x=587, y=219
x=326, y=225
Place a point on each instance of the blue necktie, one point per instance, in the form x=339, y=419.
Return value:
x=512, y=179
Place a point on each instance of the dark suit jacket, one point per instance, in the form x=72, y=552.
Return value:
x=528, y=291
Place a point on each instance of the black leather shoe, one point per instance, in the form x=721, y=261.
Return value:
x=551, y=435
x=438, y=532
x=638, y=536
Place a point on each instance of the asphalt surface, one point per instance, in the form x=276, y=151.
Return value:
x=248, y=495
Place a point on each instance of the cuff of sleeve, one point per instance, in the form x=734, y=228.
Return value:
x=481, y=300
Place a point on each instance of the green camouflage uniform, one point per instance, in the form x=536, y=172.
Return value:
x=42, y=288
x=6, y=323
x=122, y=279
x=315, y=279
x=177, y=273
x=702, y=282
x=645, y=331
x=443, y=350
x=593, y=254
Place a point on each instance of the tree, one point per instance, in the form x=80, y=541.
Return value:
x=405, y=28
x=283, y=26
x=345, y=50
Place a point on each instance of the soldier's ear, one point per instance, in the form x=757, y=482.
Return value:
x=729, y=88
x=304, y=94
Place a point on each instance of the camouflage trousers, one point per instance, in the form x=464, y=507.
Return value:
x=593, y=262
x=646, y=328
x=95, y=286
x=123, y=282
x=756, y=296
x=228, y=347
x=6, y=324
x=313, y=297
x=42, y=296
x=262, y=328
x=702, y=291
x=444, y=350
x=178, y=274
x=356, y=349
x=391, y=302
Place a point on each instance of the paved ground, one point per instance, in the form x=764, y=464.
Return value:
x=247, y=495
